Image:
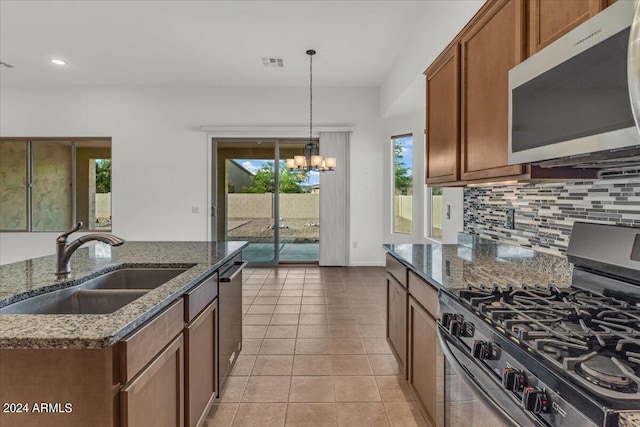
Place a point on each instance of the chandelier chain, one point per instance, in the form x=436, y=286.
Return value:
x=310, y=98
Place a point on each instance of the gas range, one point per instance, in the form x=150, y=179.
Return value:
x=562, y=356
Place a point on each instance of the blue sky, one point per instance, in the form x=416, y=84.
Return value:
x=253, y=166
x=407, y=152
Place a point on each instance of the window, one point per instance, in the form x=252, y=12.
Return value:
x=436, y=212
x=48, y=184
x=403, y=184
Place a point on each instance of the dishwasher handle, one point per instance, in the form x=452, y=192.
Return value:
x=235, y=270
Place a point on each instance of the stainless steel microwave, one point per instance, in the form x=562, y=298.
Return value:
x=581, y=93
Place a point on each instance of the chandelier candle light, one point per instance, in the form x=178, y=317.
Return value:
x=311, y=160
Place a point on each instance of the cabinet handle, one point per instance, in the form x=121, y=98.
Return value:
x=236, y=270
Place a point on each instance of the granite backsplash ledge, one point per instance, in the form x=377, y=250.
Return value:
x=545, y=213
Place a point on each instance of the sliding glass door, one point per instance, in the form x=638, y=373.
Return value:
x=258, y=200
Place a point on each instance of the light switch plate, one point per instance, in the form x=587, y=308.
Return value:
x=509, y=219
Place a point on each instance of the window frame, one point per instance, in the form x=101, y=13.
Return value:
x=392, y=140
x=430, y=208
x=30, y=141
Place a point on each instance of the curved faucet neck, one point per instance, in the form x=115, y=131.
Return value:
x=64, y=250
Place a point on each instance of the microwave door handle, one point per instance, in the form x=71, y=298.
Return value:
x=476, y=385
x=633, y=65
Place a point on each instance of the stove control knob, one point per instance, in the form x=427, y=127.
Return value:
x=455, y=327
x=468, y=329
x=535, y=400
x=446, y=319
x=481, y=350
x=513, y=380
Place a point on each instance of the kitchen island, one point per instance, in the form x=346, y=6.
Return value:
x=154, y=361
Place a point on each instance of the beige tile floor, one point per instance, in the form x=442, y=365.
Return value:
x=315, y=354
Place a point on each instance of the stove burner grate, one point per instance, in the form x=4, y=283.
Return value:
x=602, y=371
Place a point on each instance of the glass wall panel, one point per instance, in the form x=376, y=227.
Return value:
x=13, y=185
x=93, y=184
x=436, y=212
x=299, y=209
x=403, y=184
x=246, y=197
x=52, y=186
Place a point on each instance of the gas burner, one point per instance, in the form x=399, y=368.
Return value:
x=604, y=372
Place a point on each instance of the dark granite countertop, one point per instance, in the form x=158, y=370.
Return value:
x=479, y=261
x=23, y=279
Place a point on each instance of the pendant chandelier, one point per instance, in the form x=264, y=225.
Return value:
x=311, y=160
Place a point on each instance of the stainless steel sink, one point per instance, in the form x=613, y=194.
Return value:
x=133, y=278
x=75, y=301
x=101, y=295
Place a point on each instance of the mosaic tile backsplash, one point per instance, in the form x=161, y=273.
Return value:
x=545, y=213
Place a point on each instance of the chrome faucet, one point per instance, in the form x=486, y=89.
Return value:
x=64, y=251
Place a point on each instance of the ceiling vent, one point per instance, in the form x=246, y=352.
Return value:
x=4, y=64
x=273, y=62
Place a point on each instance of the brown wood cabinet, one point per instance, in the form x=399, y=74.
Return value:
x=201, y=368
x=443, y=117
x=397, y=320
x=467, y=99
x=412, y=334
x=551, y=19
x=423, y=362
x=490, y=47
x=156, y=396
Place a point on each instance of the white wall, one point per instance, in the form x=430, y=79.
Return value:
x=440, y=23
x=160, y=153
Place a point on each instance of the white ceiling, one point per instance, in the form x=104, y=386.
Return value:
x=205, y=42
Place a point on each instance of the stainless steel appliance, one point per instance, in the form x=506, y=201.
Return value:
x=546, y=356
x=575, y=96
x=230, y=315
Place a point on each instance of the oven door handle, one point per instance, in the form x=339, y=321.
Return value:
x=477, y=386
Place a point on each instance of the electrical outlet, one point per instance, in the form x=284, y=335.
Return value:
x=355, y=245
x=509, y=219
x=195, y=209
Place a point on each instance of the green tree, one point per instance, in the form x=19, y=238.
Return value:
x=403, y=175
x=264, y=180
x=103, y=176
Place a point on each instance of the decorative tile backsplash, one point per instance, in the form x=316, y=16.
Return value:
x=545, y=213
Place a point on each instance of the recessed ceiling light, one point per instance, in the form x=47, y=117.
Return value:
x=58, y=62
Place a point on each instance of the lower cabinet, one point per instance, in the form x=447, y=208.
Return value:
x=201, y=368
x=397, y=320
x=156, y=396
x=425, y=362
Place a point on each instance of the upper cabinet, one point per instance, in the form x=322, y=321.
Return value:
x=551, y=19
x=467, y=99
x=443, y=117
x=490, y=47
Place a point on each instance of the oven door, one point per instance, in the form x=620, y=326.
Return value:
x=473, y=397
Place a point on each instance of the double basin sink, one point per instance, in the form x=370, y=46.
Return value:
x=101, y=295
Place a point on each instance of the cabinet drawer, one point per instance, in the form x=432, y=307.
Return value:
x=139, y=349
x=397, y=270
x=424, y=293
x=199, y=297
x=156, y=396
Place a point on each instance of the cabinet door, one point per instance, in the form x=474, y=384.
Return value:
x=551, y=19
x=490, y=47
x=443, y=117
x=156, y=396
x=425, y=363
x=397, y=319
x=201, y=373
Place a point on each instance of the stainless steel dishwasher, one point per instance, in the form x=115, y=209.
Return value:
x=230, y=315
